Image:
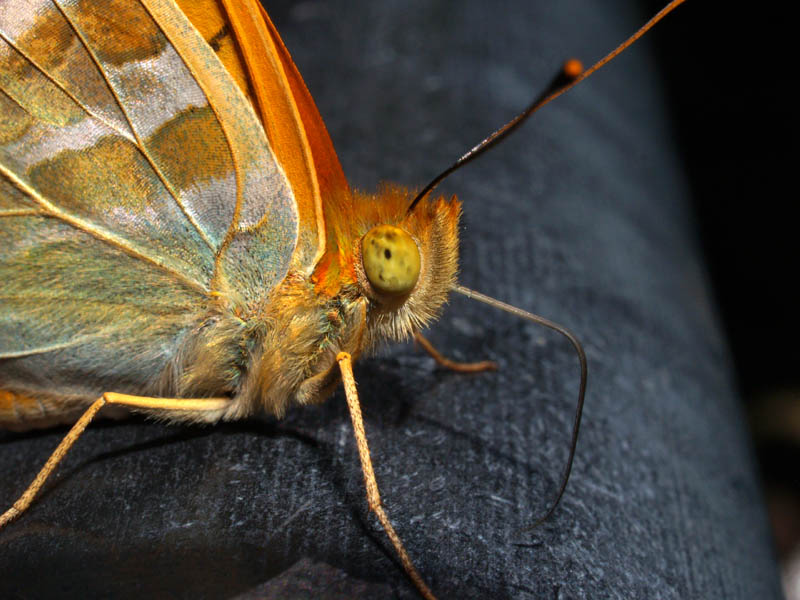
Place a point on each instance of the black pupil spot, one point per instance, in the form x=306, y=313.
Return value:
x=387, y=253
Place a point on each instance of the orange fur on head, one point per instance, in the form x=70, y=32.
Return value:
x=434, y=227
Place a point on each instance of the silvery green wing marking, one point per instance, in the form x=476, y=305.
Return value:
x=136, y=186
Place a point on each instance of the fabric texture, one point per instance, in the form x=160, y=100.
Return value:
x=583, y=217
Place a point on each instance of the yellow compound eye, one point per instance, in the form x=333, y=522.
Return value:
x=391, y=260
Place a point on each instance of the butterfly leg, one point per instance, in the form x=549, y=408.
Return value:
x=373, y=496
x=24, y=501
x=461, y=367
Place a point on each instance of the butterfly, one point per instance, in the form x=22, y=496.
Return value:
x=171, y=234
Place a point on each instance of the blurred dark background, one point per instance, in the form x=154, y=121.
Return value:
x=726, y=73
x=726, y=76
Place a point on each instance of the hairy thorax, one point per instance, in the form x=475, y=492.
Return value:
x=282, y=350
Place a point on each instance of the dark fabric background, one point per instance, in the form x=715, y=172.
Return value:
x=582, y=217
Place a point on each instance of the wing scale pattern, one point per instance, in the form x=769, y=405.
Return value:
x=135, y=183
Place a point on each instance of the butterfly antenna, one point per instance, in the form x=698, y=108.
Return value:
x=570, y=75
x=576, y=423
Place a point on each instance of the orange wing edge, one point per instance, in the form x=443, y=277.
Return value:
x=292, y=121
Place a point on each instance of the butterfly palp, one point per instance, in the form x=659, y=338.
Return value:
x=391, y=260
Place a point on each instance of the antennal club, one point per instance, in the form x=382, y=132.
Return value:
x=570, y=75
x=571, y=69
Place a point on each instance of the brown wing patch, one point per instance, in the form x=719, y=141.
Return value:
x=128, y=32
x=14, y=120
x=46, y=40
x=190, y=133
x=24, y=86
x=72, y=178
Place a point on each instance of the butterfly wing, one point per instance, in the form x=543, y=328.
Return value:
x=136, y=182
x=251, y=49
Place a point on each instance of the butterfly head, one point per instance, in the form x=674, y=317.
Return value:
x=401, y=265
x=405, y=264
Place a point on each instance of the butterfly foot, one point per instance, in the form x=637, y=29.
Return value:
x=460, y=367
